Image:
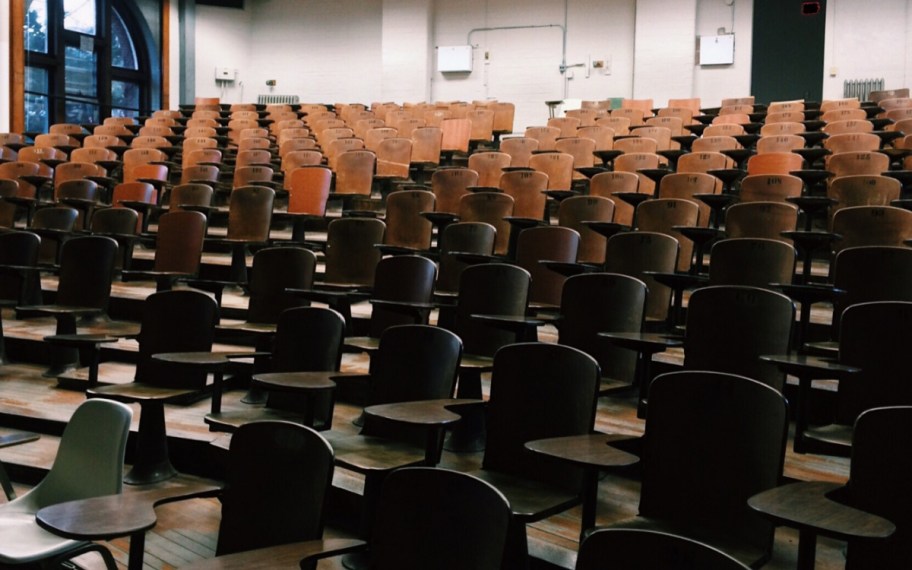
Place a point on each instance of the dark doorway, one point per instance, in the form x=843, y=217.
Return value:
x=788, y=50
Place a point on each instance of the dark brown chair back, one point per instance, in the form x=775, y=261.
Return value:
x=179, y=244
x=21, y=249
x=278, y=476
x=749, y=261
x=350, y=253
x=489, y=289
x=274, y=270
x=401, y=278
x=553, y=243
x=405, y=226
x=634, y=253
x=250, y=213
x=86, y=270
x=643, y=549
x=472, y=237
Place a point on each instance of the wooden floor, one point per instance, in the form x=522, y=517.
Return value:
x=187, y=530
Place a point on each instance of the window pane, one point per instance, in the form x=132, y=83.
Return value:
x=79, y=16
x=36, y=26
x=81, y=72
x=125, y=94
x=36, y=113
x=123, y=54
x=36, y=80
x=81, y=112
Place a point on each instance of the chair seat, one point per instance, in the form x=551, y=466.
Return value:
x=363, y=343
x=529, y=500
x=231, y=421
x=22, y=541
x=835, y=436
x=139, y=392
x=746, y=553
x=366, y=454
x=247, y=328
x=476, y=361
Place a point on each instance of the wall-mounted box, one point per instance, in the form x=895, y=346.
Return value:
x=454, y=59
x=225, y=74
x=717, y=50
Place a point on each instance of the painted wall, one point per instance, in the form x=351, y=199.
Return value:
x=867, y=40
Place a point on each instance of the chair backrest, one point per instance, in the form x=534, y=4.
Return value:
x=538, y=390
x=355, y=172
x=489, y=166
x=640, y=548
x=546, y=243
x=20, y=248
x=755, y=262
x=663, y=215
x=405, y=226
x=489, y=208
x=401, y=278
x=871, y=273
x=413, y=362
x=872, y=225
x=449, y=185
x=492, y=289
x=686, y=185
x=250, y=213
x=350, y=253
x=89, y=460
x=437, y=518
x=520, y=149
x=179, y=243
x=278, y=476
x=862, y=190
x=635, y=253
x=558, y=166
x=857, y=162
x=872, y=336
x=770, y=187
x=308, y=339
x=190, y=194
x=308, y=190
x=472, y=237
x=761, y=220
x=274, y=270
x=730, y=326
x=175, y=321
x=86, y=270
x=774, y=163
x=596, y=302
x=121, y=221
x=693, y=484
x=578, y=209
x=525, y=187
x=878, y=484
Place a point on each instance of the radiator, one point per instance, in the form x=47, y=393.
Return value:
x=278, y=99
x=861, y=88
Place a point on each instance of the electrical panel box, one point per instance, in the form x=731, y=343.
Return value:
x=454, y=59
x=717, y=50
x=225, y=74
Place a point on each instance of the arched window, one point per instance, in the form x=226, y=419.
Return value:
x=86, y=60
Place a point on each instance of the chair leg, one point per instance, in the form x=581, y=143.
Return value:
x=63, y=358
x=6, y=483
x=151, y=463
x=58, y=561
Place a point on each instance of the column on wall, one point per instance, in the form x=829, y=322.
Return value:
x=406, y=50
x=664, y=49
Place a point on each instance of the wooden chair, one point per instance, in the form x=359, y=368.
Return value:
x=89, y=463
x=489, y=166
x=689, y=186
x=756, y=262
x=470, y=237
x=354, y=174
x=546, y=136
x=607, y=184
x=83, y=290
x=139, y=196
x=120, y=224
x=308, y=192
x=526, y=187
x=715, y=144
x=200, y=174
x=786, y=126
x=872, y=225
x=639, y=253
x=306, y=339
x=278, y=477
x=249, y=218
x=537, y=391
x=82, y=195
x=861, y=162
x=663, y=216
x=574, y=212
x=552, y=243
x=490, y=208
x=862, y=190
x=780, y=143
x=867, y=508
x=173, y=321
x=871, y=335
x=596, y=302
x=770, y=187
x=407, y=230
x=757, y=322
x=55, y=226
x=189, y=194
x=637, y=144
x=761, y=220
x=642, y=548
x=520, y=149
x=679, y=494
x=774, y=163
x=558, y=166
x=852, y=142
